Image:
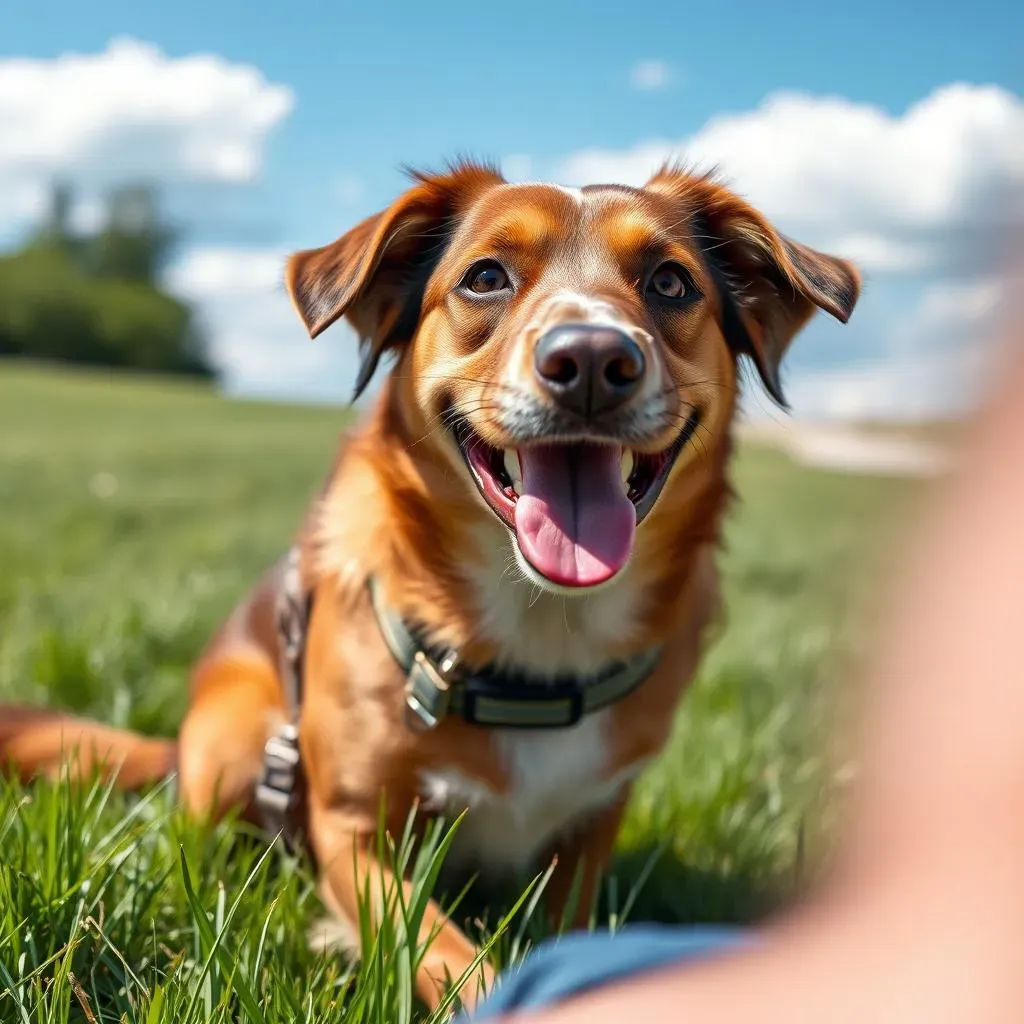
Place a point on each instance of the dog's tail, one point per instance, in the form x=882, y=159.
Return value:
x=35, y=741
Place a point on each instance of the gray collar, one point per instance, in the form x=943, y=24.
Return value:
x=436, y=686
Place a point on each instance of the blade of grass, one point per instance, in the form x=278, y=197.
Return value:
x=214, y=941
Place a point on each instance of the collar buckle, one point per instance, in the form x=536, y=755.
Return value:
x=428, y=690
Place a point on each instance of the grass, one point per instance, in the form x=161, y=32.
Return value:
x=135, y=513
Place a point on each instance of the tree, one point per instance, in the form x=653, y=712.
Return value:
x=134, y=244
x=56, y=229
x=96, y=298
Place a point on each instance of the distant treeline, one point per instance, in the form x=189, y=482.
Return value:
x=95, y=297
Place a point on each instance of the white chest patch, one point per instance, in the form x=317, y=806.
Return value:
x=555, y=779
x=542, y=633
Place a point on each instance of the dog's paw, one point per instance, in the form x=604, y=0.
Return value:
x=438, y=974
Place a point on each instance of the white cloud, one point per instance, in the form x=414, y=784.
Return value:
x=953, y=314
x=878, y=253
x=256, y=336
x=212, y=272
x=941, y=359
x=650, y=75
x=900, y=192
x=129, y=112
x=920, y=387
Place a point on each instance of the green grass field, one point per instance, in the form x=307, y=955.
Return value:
x=135, y=513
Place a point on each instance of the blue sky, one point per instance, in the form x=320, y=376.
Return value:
x=795, y=97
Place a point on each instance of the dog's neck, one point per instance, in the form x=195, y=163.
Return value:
x=398, y=510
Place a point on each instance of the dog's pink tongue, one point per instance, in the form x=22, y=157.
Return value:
x=574, y=523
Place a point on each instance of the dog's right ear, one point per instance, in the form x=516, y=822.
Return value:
x=375, y=274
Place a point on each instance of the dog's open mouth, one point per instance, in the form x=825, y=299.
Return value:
x=573, y=506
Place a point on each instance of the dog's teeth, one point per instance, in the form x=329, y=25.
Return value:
x=512, y=468
x=627, y=466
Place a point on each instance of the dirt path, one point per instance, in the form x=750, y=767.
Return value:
x=851, y=450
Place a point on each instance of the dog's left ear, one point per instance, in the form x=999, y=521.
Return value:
x=375, y=274
x=768, y=285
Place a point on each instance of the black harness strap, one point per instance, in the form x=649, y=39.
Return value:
x=279, y=789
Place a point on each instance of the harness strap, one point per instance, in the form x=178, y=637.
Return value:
x=278, y=790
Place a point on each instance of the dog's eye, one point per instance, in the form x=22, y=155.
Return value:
x=486, y=278
x=669, y=281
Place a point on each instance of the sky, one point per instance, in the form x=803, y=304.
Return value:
x=887, y=132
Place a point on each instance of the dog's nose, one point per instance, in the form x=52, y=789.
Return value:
x=589, y=370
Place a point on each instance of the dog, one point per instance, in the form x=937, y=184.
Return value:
x=501, y=593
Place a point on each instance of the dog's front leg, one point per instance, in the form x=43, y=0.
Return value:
x=343, y=844
x=583, y=856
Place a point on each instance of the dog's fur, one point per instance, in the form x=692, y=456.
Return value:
x=401, y=504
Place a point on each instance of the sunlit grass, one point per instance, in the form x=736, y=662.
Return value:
x=134, y=515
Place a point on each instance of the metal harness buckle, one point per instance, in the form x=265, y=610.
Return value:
x=428, y=690
x=277, y=785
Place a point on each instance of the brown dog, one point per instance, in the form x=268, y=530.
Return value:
x=501, y=591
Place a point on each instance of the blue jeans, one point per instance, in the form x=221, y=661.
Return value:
x=575, y=963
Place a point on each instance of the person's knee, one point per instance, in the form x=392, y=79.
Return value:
x=561, y=968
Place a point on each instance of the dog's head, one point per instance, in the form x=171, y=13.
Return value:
x=565, y=348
